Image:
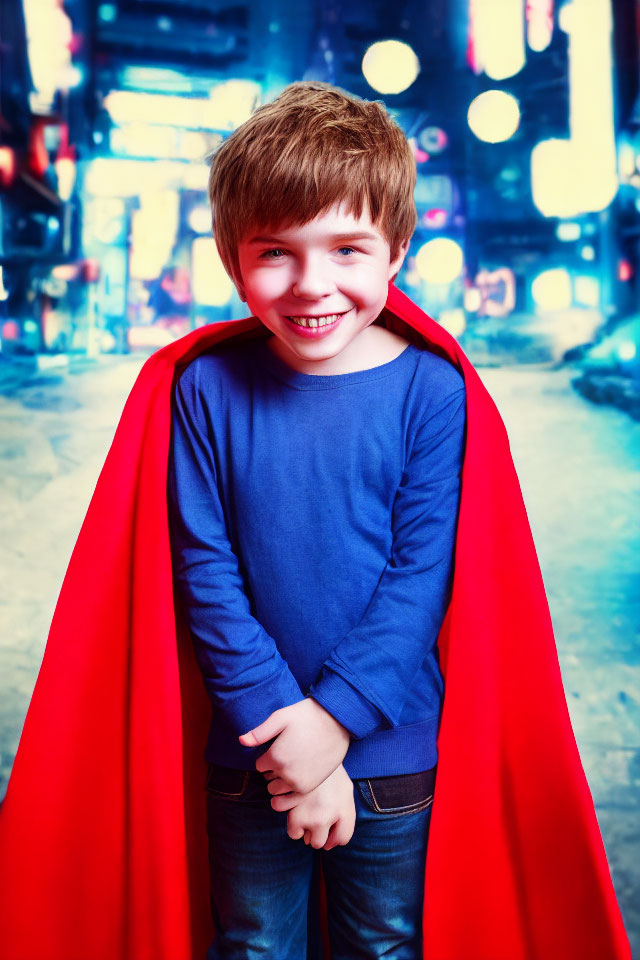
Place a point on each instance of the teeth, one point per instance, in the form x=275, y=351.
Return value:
x=314, y=321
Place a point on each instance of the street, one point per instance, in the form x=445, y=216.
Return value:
x=578, y=469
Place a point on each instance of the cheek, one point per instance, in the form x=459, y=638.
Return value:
x=267, y=285
x=367, y=278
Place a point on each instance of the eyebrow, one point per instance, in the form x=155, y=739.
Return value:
x=335, y=236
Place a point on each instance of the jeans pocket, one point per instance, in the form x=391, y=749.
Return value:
x=226, y=782
x=406, y=793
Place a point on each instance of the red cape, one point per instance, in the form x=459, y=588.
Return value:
x=102, y=832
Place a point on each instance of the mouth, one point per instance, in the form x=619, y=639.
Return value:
x=315, y=326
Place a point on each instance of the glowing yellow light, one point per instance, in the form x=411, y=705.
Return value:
x=153, y=233
x=587, y=291
x=497, y=28
x=195, y=176
x=538, y=37
x=193, y=146
x=494, y=116
x=210, y=282
x=231, y=103
x=472, y=299
x=130, y=106
x=626, y=160
x=453, y=320
x=228, y=105
x=65, y=169
x=579, y=175
x=143, y=140
x=115, y=177
x=539, y=14
x=390, y=66
x=70, y=77
x=49, y=34
x=551, y=289
x=439, y=260
x=568, y=231
x=626, y=350
x=200, y=219
x=552, y=173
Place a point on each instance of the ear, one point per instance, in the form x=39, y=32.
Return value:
x=394, y=266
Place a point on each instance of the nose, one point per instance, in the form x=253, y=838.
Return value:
x=312, y=280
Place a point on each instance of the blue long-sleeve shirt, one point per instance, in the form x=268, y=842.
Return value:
x=312, y=522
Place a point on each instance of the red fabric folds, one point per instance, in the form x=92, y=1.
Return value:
x=102, y=831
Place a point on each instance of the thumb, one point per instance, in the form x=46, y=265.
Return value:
x=267, y=730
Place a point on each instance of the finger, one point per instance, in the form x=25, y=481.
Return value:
x=318, y=837
x=339, y=836
x=264, y=764
x=286, y=802
x=307, y=837
x=294, y=829
x=332, y=839
x=271, y=727
x=278, y=786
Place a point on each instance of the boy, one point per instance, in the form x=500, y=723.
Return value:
x=315, y=611
x=102, y=830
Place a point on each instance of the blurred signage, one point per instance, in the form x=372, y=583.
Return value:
x=539, y=18
x=7, y=166
x=229, y=104
x=497, y=292
x=496, y=38
x=148, y=140
x=49, y=39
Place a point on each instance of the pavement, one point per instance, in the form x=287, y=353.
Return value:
x=578, y=467
x=24, y=370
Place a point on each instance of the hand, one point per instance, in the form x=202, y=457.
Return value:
x=309, y=745
x=325, y=817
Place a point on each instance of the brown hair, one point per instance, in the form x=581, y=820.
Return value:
x=313, y=146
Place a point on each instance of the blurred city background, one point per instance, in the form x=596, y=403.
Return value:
x=524, y=117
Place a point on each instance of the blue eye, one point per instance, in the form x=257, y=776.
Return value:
x=347, y=248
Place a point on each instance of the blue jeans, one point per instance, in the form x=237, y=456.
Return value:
x=265, y=886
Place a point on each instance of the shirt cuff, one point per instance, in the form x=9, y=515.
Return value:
x=254, y=705
x=346, y=704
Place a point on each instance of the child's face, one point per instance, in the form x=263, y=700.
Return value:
x=316, y=271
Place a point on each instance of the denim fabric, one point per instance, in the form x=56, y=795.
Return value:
x=265, y=886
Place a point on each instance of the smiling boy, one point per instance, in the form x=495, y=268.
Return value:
x=311, y=518
x=313, y=491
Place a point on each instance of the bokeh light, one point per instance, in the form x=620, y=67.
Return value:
x=494, y=116
x=439, y=260
x=551, y=289
x=390, y=66
x=211, y=284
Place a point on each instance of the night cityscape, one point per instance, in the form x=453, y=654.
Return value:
x=524, y=119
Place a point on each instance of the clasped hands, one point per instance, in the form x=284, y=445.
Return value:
x=304, y=769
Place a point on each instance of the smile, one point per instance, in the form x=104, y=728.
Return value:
x=316, y=328
x=316, y=321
